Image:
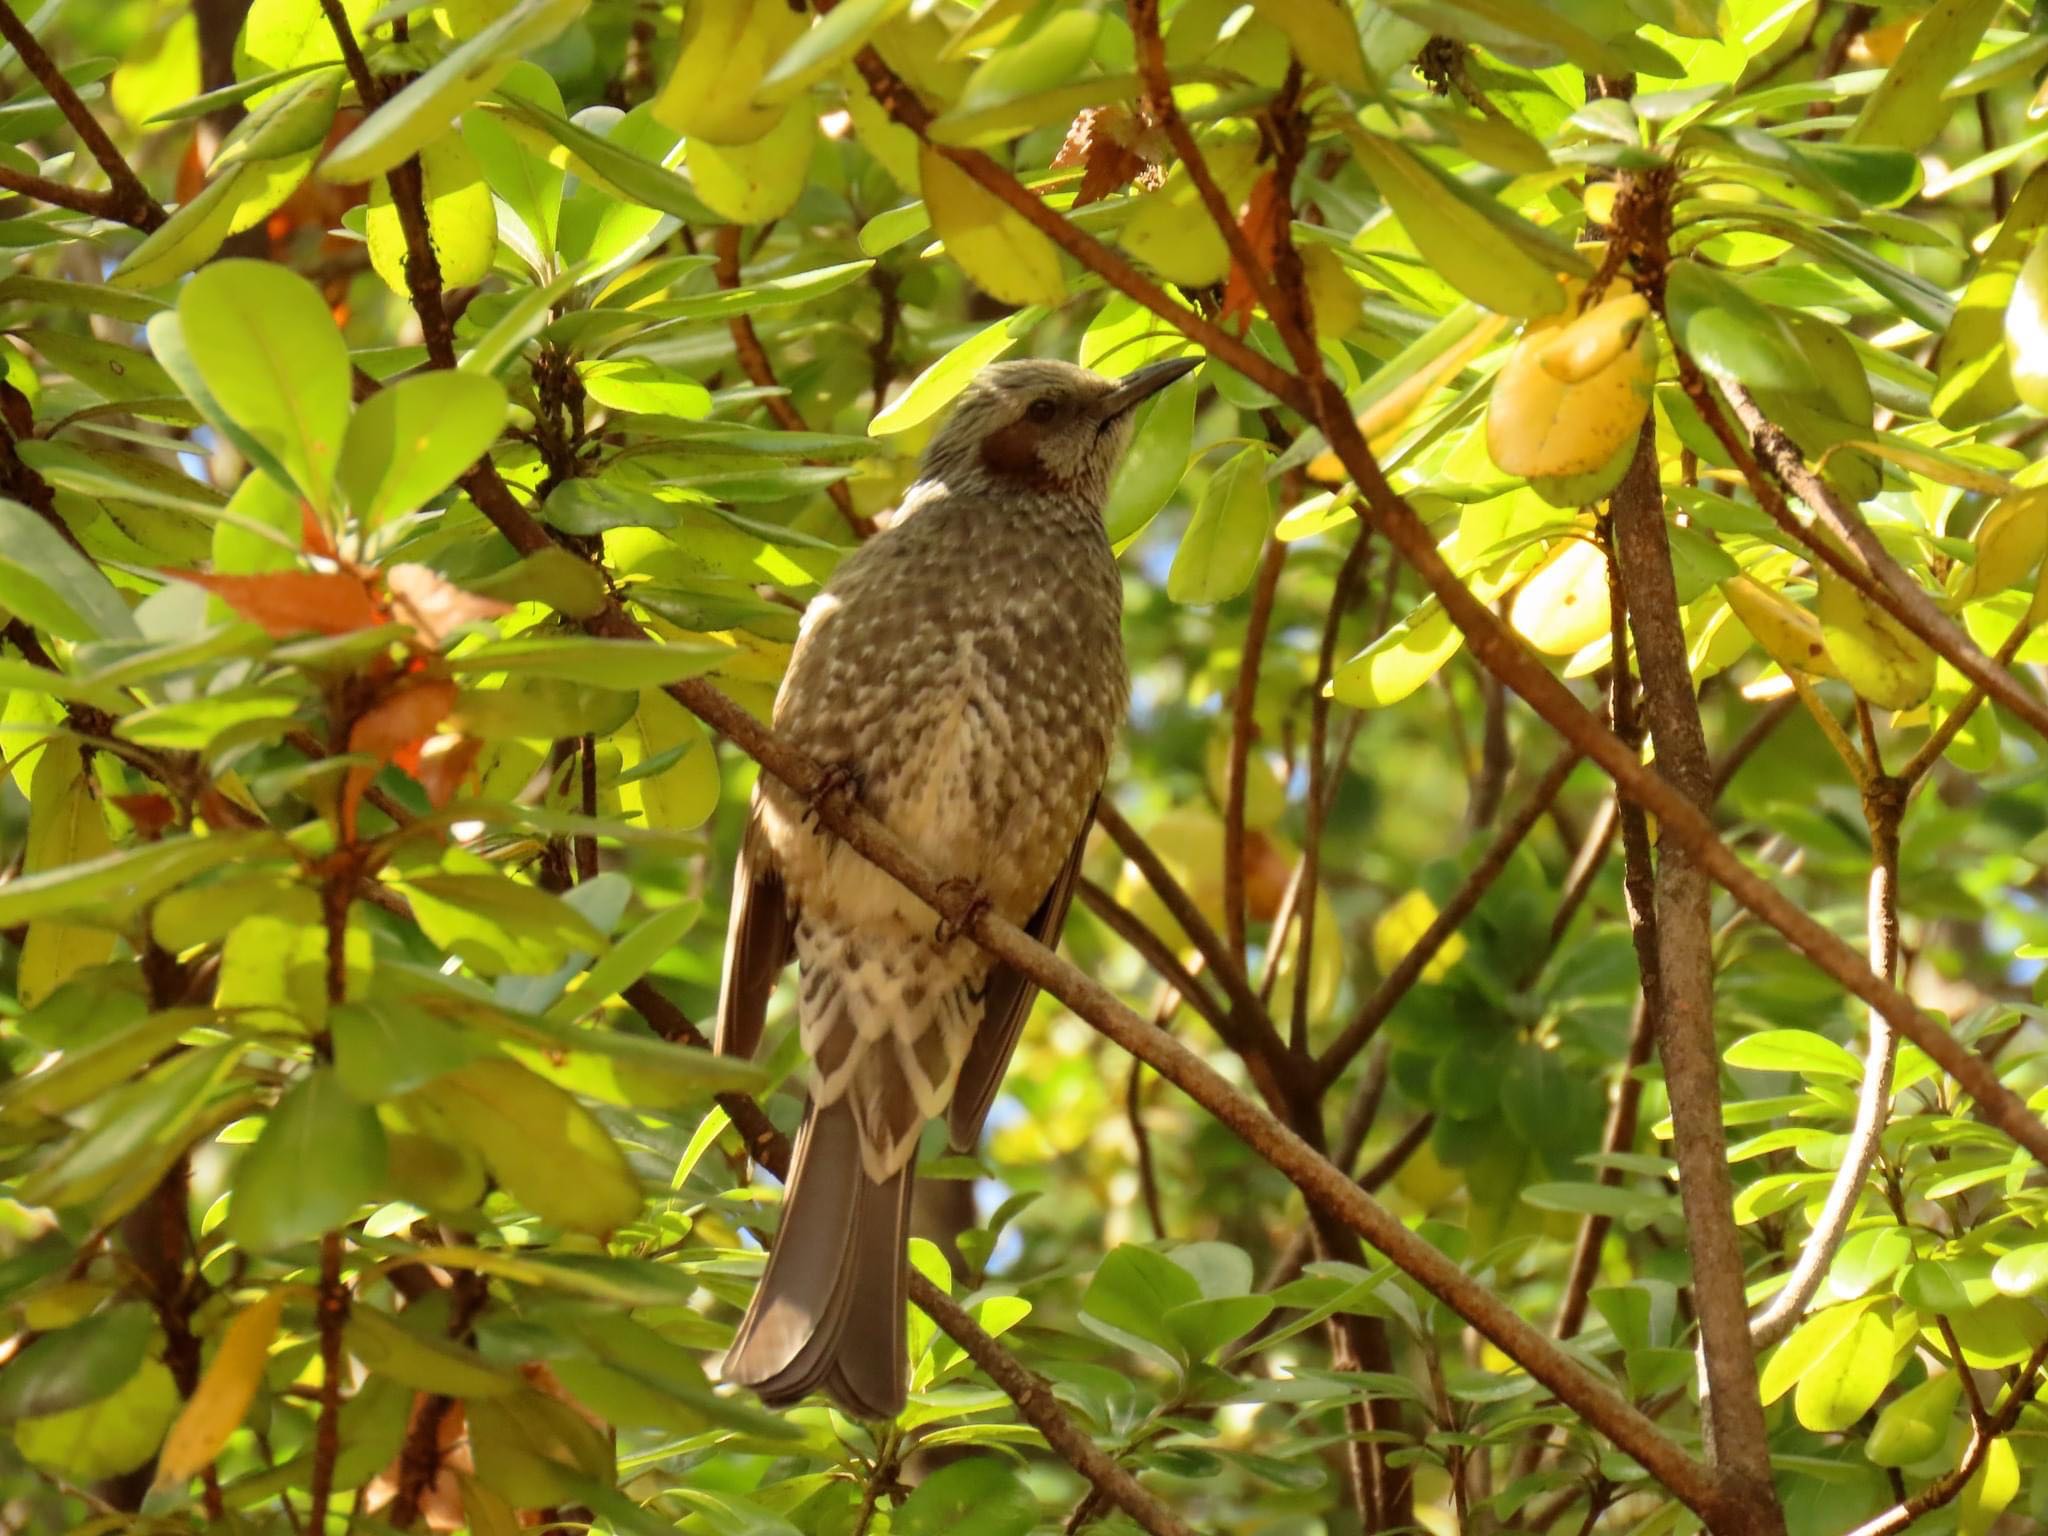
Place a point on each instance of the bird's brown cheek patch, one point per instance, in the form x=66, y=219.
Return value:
x=1012, y=452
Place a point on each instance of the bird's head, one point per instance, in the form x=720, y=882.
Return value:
x=1043, y=427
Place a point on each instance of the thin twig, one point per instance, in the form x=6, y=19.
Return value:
x=1243, y=726
x=136, y=206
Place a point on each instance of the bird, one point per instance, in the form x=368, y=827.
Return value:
x=961, y=675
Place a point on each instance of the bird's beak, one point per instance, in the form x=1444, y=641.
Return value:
x=1143, y=385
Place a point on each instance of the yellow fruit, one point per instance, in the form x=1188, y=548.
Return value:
x=1562, y=607
x=1582, y=347
x=728, y=45
x=1006, y=258
x=1540, y=424
x=1789, y=634
x=462, y=221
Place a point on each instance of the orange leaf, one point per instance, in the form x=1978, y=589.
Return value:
x=294, y=602
x=392, y=731
x=313, y=538
x=443, y=765
x=433, y=605
x=1263, y=213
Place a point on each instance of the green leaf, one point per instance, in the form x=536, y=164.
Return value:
x=1812, y=1339
x=833, y=39
x=1993, y=1486
x=1730, y=334
x=1846, y=1380
x=1127, y=1302
x=1162, y=435
x=50, y=586
x=421, y=113
x=640, y=385
x=419, y=1360
x=600, y=663
x=1221, y=547
x=1867, y=1260
x=1794, y=1050
x=612, y=167
x=319, y=1160
x=798, y=288
x=586, y=507
x=413, y=439
x=2023, y=1272
x=935, y=389
x=1400, y=661
x=1915, y=1424
x=262, y=339
x=981, y=1493
x=107, y=1438
x=498, y=925
x=1468, y=246
x=538, y=1142
x=77, y=1365
x=1907, y=109
x=630, y=957
x=384, y=1048
x=110, y=888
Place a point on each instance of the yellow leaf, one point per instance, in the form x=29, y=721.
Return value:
x=683, y=794
x=1990, y=1488
x=2010, y=542
x=1006, y=258
x=65, y=827
x=462, y=221
x=754, y=183
x=1334, y=296
x=1400, y=661
x=217, y=1408
x=1592, y=342
x=728, y=46
x=1397, y=930
x=1877, y=656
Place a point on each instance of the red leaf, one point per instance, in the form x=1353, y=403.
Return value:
x=313, y=538
x=433, y=605
x=150, y=813
x=294, y=602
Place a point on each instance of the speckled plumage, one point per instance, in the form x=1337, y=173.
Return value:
x=965, y=669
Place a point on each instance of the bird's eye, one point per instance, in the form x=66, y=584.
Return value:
x=1043, y=410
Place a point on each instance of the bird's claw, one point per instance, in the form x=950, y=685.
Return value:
x=840, y=781
x=960, y=889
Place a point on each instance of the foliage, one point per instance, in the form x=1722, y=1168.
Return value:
x=418, y=417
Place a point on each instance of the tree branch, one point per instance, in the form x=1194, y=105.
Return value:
x=129, y=201
x=1242, y=728
x=1683, y=1001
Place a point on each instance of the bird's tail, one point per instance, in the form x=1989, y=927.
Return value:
x=828, y=1313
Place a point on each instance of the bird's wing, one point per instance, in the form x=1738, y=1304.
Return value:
x=758, y=944
x=1006, y=1000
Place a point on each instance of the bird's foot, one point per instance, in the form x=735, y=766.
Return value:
x=839, y=781
x=960, y=889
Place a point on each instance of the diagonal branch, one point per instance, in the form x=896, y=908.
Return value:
x=1033, y=1397
x=129, y=201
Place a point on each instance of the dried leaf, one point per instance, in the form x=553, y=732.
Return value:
x=1264, y=213
x=445, y=762
x=433, y=605
x=150, y=813
x=294, y=602
x=392, y=731
x=1105, y=142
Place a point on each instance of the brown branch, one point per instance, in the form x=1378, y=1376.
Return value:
x=1737, y=1441
x=1326, y=1186
x=754, y=361
x=1373, y=1012
x=1984, y=1430
x=109, y=205
x=1943, y=735
x=136, y=207
x=1034, y=1399
x=333, y=1308
x=1251, y=1031
x=1242, y=728
x=1158, y=954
